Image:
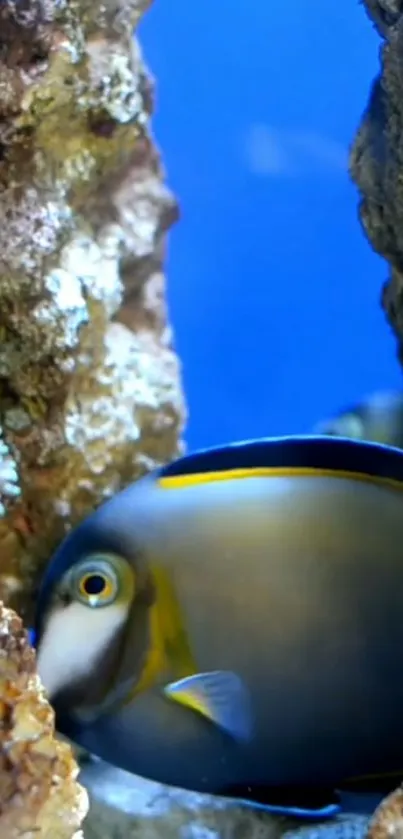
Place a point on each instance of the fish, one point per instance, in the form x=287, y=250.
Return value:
x=377, y=418
x=231, y=624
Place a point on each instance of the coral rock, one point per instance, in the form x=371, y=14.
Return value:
x=377, y=158
x=90, y=385
x=387, y=822
x=39, y=795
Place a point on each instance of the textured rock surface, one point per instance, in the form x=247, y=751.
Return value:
x=387, y=822
x=126, y=807
x=377, y=158
x=39, y=794
x=90, y=392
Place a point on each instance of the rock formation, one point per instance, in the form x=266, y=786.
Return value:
x=39, y=794
x=377, y=158
x=387, y=822
x=90, y=390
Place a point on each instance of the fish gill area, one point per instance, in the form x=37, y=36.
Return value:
x=91, y=393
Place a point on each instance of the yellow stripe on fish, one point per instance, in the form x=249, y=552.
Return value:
x=198, y=478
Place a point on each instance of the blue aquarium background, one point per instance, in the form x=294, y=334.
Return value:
x=273, y=289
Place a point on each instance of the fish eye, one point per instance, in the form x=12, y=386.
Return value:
x=95, y=582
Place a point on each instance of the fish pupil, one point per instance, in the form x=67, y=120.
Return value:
x=95, y=584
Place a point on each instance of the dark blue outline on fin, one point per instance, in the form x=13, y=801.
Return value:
x=311, y=452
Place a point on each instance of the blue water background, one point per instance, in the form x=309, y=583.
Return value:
x=273, y=289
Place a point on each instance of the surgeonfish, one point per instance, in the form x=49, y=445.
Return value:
x=232, y=623
x=377, y=418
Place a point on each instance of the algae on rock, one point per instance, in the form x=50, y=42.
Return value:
x=39, y=793
x=387, y=821
x=376, y=162
x=90, y=389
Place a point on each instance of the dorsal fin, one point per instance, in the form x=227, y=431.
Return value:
x=310, y=453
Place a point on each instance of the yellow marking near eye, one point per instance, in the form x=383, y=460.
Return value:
x=169, y=647
x=198, y=478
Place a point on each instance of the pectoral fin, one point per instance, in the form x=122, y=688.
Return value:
x=220, y=696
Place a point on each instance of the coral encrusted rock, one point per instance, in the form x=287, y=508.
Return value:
x=376, y=161
x=90, y=385
x=387, y=822
x=39, y=794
